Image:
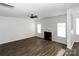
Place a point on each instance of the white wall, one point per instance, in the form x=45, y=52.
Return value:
x=50, y=24
x=75, y=13
x=12, y=29
x=70, y=29
x=72, y=14
x=75, y=35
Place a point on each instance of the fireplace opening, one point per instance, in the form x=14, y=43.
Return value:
x=48, y=36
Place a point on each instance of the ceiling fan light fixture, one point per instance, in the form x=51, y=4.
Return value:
x=33, y=16
x=6, y=5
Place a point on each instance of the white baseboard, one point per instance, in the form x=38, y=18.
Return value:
x=15, y=40
x=59, y=41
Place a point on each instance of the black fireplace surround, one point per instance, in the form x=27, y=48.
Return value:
x=48, y=36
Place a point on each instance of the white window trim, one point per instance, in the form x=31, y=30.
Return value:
x=61, y=32
x=77, y=26
x=38, y=28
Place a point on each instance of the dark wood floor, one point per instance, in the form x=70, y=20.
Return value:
x=31, y=47
x=74, y=51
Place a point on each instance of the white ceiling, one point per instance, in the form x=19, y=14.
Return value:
x=40, y=9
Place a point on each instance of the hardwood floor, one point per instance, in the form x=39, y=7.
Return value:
x=74, y=51
x=31, y=47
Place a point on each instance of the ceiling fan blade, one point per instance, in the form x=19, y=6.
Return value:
x=33, y=16
x=6, y=5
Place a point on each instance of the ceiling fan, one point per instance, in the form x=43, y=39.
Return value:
x=33, y=16
x=6, y=5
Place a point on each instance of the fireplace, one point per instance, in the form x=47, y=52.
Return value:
x=48, y=36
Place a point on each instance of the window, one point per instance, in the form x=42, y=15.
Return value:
x=61, y=29
x=77, y=26
x=38, y=28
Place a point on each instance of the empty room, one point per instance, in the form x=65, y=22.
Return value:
x=39, y=29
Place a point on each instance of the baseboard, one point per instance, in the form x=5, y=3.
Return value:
x=52, y=40
x=70, y=47
x=16, y=40
x=59, y=41
x=39, y=37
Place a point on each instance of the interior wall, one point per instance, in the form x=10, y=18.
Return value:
x=75, y=13
x=72, y=37
x=75, y=35
x=50, y=24
x=70, y=29
x=12, y=29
